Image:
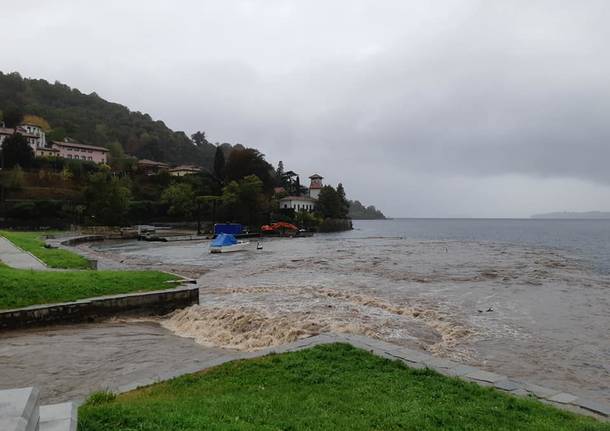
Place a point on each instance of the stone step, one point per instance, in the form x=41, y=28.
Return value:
x=59, y=417
x=19, y=409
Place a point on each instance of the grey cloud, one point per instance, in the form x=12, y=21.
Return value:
x=492, y=102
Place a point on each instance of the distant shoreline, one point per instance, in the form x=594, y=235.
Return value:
x=588, y=215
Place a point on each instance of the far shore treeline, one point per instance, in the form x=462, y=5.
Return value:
x=233, y=184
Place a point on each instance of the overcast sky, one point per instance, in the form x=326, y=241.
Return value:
x=422, y=108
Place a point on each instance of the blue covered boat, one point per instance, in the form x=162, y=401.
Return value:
x=225, y=243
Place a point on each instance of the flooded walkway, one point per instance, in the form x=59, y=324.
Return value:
x=16, y=258
x=70, y=362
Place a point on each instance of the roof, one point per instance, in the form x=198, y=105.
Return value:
x=151, y=163
x=297, y=198
x=316, y=177
x=75, y=145
x=7, y=131
x=279, y=190
x=55, y=150
x=185, y=168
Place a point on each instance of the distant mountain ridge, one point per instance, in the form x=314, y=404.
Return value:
x=357, y=211
x=574, y=215
x=92, y=120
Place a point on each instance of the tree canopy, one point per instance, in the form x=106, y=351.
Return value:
x=12, y=116
x=219, y=164
x=17, y=152
x=249, y=161
x=330, y=203
x=107, y=198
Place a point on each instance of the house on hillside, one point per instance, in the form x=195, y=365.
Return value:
x=35, y=136
x=182, y=170
x=150, y=167
x=66, y=149
x=298, y=203
x=77, y=151
x=304, y=203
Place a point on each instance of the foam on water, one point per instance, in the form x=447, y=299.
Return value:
x=525, y=310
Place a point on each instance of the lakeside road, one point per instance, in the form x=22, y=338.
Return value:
x=15, y=257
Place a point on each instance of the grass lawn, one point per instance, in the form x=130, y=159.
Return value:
x=24, y=287
x=335, y=387
x=53, y=257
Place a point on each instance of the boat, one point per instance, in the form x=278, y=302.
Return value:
x=226, y=243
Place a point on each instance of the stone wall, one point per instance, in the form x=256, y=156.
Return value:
x=88, y=310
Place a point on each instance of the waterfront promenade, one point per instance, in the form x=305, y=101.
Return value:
x=15, y=257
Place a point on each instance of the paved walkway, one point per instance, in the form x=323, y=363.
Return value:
x=69, y=362
x=15, y=257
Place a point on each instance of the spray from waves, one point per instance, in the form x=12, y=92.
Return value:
x=248, y=327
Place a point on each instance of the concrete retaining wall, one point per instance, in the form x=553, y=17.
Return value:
x=87, y=310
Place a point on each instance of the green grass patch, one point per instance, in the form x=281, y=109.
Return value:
x=53, y=257
x=24, y=287
x=335, y=387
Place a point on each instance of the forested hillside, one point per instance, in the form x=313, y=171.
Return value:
x=357, y=211
x=90, y=119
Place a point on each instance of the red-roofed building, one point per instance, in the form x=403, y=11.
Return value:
x=150, y=167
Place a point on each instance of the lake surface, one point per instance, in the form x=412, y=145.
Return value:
x=526, y=298
x=588, y=240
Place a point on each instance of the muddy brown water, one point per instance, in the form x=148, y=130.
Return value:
x=532, y=312
x=69, y=362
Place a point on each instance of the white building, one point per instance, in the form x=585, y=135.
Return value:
x=298, y=203
x=315, y=186
x=35, y=135
x=40, y=140
x=182, y=170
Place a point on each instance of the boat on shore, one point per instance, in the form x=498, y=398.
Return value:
x=226, y=243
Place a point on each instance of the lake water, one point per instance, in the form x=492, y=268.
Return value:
x=586, y=239
x=526, y=298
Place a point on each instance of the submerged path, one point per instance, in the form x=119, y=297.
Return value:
x=15, y=257
x=70, y=362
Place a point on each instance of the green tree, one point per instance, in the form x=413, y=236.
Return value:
x=12, y=117
x=344, y=201
x=181, y=200
x=17, y=151
x=248, y=161
x=57, y=134
x=329, y=203
x=199, y=139
x=279, y=174
x=244, y=199
x=119, y=162
x=107, y=198
x=219, y=164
